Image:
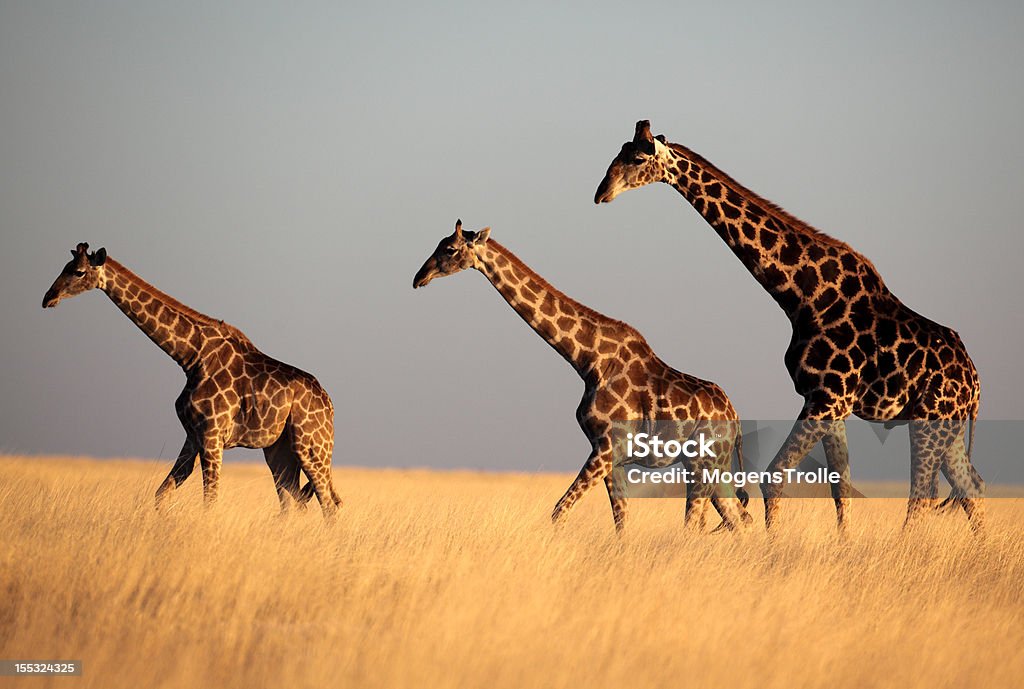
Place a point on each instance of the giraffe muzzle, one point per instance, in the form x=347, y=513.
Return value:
x=605, y=193
x=50, y=299
x=424, y=275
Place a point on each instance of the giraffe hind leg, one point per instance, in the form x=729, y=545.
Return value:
x=732, y=510
x=956, y=496
x=963, y=478
x=320, y=483
x=307, y=493
x=698, y=495
x=730, y=502
x=967, y=487
x=211, y=455
x=930, y=442
x=315, y=460
x=285, y=468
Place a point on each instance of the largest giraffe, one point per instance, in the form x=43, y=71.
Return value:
x=856, y=348
x=234, y=396
x=624, y=380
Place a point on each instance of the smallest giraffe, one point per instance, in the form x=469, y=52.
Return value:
x=234, y=396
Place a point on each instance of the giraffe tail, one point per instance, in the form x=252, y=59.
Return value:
x=973, y=424
x=740, y=492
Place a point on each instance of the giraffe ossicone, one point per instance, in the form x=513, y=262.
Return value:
x=234, y=395
x=624, y=380
x=856, y=348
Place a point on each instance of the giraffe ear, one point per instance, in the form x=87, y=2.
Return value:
x=662, y=139
x=99, y=257
x=458, y=228
x=482, y=236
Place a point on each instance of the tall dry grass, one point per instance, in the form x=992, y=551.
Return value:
x=449, y=579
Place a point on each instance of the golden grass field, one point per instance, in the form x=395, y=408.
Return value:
x=458, y=579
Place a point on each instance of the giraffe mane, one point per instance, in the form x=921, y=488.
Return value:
x=583, y=309
x=770, y=207
x=181, y=308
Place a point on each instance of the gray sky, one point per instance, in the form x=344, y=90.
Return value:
x=289, y=169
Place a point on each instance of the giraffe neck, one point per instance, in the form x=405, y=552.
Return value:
x=770, y=242
x=575, y=331
x=177, y=329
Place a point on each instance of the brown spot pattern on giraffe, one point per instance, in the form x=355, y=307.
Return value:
x=856, y=348
x=624, y=380
x=234, y=396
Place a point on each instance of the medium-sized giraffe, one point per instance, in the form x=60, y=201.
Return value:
x=624, y=380
x=856, y=348
x=235, y=395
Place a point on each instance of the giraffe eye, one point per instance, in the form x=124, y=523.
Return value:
x=79, y=273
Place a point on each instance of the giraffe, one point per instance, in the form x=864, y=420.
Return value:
x=235, y=395
x=624, y=380
x=855, y=349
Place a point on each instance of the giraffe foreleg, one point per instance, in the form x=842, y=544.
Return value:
x=806, y=432
x=837, y=456
x=181, y=470
x=597, y=466
x=615, y=483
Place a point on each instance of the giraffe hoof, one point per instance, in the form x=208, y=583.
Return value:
x=722, y=528
x=160, y=499
x=951, y=503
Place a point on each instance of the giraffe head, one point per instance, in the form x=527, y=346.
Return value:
x=641, y=161
x=455, y=252
x=81, y=274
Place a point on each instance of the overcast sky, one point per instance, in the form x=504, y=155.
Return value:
x=288, y=169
